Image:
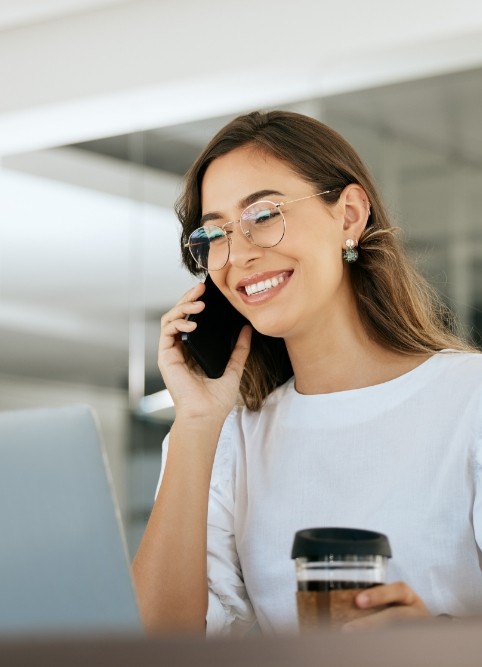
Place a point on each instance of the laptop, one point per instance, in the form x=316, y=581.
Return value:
x=64, y=566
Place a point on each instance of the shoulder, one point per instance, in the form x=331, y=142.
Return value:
x=277, y=400
x=242, y=423
x=455, y=382
x=466, y=366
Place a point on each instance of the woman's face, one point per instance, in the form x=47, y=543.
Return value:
x=307, y=263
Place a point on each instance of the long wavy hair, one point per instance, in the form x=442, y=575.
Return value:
x=397, y=306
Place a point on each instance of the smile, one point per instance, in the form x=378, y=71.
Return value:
x=265, y=285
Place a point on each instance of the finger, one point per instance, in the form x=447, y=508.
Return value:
x=186, y=305
x=389, y=615
x=241, y=351
x=175, y=327
x=193, y=293
x=170, y=333
x=377, y=596
x=180, y=310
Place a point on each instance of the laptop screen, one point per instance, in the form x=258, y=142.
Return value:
x=64, y=564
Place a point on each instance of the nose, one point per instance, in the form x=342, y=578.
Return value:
x=241, y=248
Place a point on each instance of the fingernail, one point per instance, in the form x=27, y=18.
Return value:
x=363, y=600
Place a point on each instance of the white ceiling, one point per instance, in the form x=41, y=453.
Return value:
x=15, y=13
x=156, y=63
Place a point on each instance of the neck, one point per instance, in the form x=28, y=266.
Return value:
x=339, y=356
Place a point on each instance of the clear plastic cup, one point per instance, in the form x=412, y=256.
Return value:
x=332, y=565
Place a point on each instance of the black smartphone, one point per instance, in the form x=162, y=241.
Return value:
x=218, y=327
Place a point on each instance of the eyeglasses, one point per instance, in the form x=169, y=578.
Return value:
x=262, y=223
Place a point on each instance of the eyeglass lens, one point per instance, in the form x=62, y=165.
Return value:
x=263, y=223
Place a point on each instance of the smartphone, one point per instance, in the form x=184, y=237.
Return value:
x=218, y=327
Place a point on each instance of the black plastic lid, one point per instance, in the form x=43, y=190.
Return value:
x=313, y=543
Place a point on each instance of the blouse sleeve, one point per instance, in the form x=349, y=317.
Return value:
x=477, y=461
x=229, y=610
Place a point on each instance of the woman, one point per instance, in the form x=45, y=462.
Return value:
x=379, y=427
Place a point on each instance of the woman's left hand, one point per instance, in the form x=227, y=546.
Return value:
x=396, y=602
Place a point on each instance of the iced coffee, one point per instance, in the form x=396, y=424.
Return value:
x=332, y=566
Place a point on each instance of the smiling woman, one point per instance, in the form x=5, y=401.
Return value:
x=397, y=307
x=347, y=365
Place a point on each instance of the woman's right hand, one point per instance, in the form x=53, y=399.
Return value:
x=196, y=395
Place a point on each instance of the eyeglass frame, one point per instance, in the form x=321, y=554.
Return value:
x=247, y=233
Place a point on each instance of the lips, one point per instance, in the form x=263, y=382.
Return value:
x=252, y=286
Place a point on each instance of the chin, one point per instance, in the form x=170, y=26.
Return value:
x=270, y=329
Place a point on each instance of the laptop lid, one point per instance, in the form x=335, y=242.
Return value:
x=63, y=557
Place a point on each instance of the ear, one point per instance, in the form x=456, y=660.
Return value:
x=356, y=209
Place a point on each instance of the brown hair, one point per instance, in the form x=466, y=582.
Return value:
x=398, y=307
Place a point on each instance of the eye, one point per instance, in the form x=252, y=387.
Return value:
x=261, y=214
x=213, y=233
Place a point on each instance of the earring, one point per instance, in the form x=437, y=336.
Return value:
x=350, y=254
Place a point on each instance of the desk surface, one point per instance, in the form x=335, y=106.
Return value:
x=425, y=644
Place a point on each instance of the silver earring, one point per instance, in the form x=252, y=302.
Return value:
x=350, y=253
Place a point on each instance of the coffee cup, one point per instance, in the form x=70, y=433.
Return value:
x=332, y=566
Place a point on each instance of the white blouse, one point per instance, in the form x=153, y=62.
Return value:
x=403, y=458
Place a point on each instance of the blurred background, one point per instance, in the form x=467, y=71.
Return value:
x=104, y=104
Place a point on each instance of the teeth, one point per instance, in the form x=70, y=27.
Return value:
x=264, y=285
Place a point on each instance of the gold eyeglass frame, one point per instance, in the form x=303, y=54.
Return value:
x=247, y=233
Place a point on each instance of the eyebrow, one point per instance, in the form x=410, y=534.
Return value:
x=243, y=203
